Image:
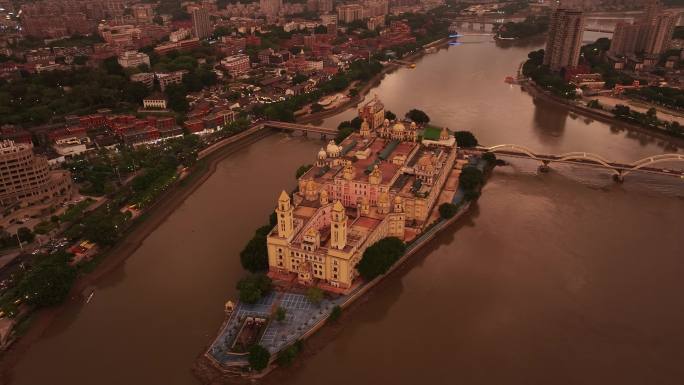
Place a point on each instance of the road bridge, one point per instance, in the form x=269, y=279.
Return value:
x=303, y=128
x=620, y=170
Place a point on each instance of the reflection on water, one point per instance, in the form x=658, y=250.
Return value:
x=561, y=277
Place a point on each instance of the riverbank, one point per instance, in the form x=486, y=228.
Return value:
x=156, y=215
x=166, y=204
x=536, y=92
x=370, y=84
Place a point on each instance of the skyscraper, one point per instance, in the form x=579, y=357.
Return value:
x=201, y=25
x=565, y=39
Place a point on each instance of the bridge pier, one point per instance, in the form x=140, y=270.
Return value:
x=544, y=167
x=324, y=137
x=305, y=133
x=618, y=178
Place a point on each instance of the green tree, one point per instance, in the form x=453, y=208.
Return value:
x=343, y=134
x=490, y=158
x=390, y=115
x=299, y=78
x=254, y=257
x=48, y=283
x=25, y=235
x=112, y=66
x=287, y=356
x=302, y=170
x=465, y=139
x=258, y=357
x=335, y=313
x=314, y=295
x=379, y=257
x=593, y=103
x=280, y=314
x=418, y=116
x=471, y=178
x=253, y=287
x=620, y=110
x=447, y=210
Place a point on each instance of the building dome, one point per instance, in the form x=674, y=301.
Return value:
x=322, y=154
x=365, y=126
x=332, y=149
x=399, y=127
x=386, y=122
x=413, y=125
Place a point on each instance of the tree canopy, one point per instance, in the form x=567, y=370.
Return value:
x=48, y=283
x=258, y=357
x=253, y=287
x=418, y=116
x=379, y=257
x=465, y=139
x=447, y=210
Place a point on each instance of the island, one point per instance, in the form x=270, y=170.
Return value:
x=364, y=206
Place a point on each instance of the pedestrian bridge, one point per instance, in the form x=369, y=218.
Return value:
x=590, y=159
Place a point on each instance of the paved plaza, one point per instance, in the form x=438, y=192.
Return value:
x=301, y=316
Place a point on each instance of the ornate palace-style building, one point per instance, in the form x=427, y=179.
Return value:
x=377, y=183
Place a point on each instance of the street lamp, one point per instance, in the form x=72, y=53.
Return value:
x=21, y=247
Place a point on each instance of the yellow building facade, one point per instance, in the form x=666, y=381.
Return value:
x=377, y=183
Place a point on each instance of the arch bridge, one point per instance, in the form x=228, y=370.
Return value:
x=620, y=170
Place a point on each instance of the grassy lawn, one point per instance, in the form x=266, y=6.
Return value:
x=431, y=133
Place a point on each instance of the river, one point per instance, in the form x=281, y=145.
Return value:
x=561, y=277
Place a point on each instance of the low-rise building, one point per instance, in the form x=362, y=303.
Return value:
x=132, y=59
x=165, y=79
x=155, y=101
x=146, y=78
x=236, y=64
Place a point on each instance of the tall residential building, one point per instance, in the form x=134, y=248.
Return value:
x=659, y=34
x=25, y=177
x=565, y=39
x=651, y=34
x=625, y=39
x=201, y=25
x=350, y=12
x=270, y=8
x=325, y=6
